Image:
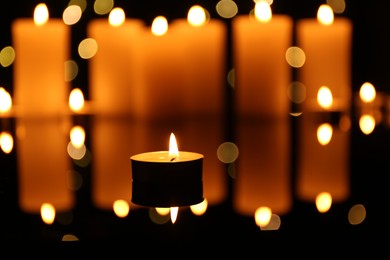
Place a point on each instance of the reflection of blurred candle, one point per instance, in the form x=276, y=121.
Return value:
x=328, y=57
x=44, y=166
x=41, y=97
x=114, y=139
x=322, y=167
x=114, y=96
x=262, y=79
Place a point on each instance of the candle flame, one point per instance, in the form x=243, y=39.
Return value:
x=325, y=97
x=5, y=100
x=174, y=211
x=263, y=11
x=325, y=14
x=116, y=17
x=6, y=142
x=159, y=26
x=324, y=133
x=323, y=202
x=76, y=99
x=48, y=213
x=263, y=216
x=196, y=16
x=41, y=14
x=367, y=92
x=173, y=149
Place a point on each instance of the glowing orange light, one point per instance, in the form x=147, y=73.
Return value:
x=159, y=26
x=263, y=11
x=325, y=14
x=41, y=14
x=196, y=16
x=48, y=213
x=174, y=211
x=173, y=153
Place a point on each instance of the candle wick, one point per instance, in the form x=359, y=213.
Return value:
x=173, y=159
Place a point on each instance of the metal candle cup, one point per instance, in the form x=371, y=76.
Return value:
x=159, y=181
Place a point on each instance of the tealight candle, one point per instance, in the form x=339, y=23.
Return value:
x=166, y=178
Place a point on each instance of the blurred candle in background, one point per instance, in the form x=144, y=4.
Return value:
x=324, y=127
x=326, y=42
x=263, y=127
x=202, y=43
x=113, y=69
x=115, y=96
x=41, y=95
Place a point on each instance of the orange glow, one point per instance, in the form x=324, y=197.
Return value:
x=159, y=26
x=196, y=16
x=325, y=97
x=76, y=99
x=121, y=208
x=325, y=14
x=162, y=211
x=200, y=208
x=117, y=17
x=77, y=136
x=174, y=211
x=323, y=202
x=263, y=11
x=5, y=100
x=263, y=216
x=48, y=213
x=41, y=14
x=367, y=92
x=6, y=142
x=324, y=133
x=367, y=124
x=173, y=149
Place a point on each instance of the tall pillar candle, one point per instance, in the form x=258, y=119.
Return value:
x=326, y=42
x=328, y=62
x=39, y=68
x=204, y=69
x=41, y=99
x=262, y=105
x=114, y=86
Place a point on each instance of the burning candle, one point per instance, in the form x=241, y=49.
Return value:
x=167, y=178
x=326, y=42
x=260, y=46
x=42, y=47
x=323, y=163
x=113, y=69
x=115, y=97
x=262, y=79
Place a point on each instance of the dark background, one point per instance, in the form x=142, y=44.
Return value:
x=220, y=230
